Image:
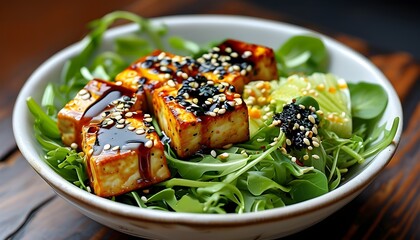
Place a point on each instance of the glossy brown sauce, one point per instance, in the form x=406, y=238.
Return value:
x=127, y=141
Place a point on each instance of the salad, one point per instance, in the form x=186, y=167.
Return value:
x=307, y=129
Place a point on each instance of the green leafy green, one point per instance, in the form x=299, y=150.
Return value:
x=368, y=100
x=302, y=54
x=310, y=185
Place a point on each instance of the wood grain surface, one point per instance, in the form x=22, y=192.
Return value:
x=34, y=30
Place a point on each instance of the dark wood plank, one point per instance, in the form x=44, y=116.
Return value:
x=8, y=144
x=21, y=192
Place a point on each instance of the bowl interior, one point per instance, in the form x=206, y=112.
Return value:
x=205, y=28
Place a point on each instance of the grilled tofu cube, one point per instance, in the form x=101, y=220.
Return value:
x=228, y=128
x=158, y=69
x=238, y=63
x=123, y=153
x=201, y=113
x=181, y=126
x=96, y=97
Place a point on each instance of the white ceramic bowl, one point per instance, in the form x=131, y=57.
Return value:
x=168, y=225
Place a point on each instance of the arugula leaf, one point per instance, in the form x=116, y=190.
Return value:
x=310, y=185
x=179, y=43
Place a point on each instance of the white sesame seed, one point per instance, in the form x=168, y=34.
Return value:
x=115, y=148
x=234, y=54
x=131, y=128
x=315, y=130
x=129, y=114
x=246, y=54
x=306, y=141
x=184, y=75
x=302, y=128
x=213, y=153
x=221, y=111
x=315, y=156
x=231, y=103
x=238, y=101
x=310, y=148
x=121, y=121
x=311, y=118
x=171, y=83
x=140, y=131
x=260, y=139
x=236, y=67
x=305, y=157
x=88, y=189
x=120, y=126
x=90, y=152
x=148, y=119
x=298, y=116
x=213, y=114
x=283, y=150
x=143, y=198
x=107, y=146
x=224, y=156
x=118, y=83
x=85, y=96
x=320, y=112
x=273, y=143
x=73, y=145
x=161, y=56
x=316, y=144
x=83, y=92
x=288, y=142
x=228, y=50
x=149, y=144
x=243, y=72
x=110, y=121
x=293, y=159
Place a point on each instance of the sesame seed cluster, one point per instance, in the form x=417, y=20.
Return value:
x=222, y=61
x=205, y=97
x=196, y=93
x=300, y=125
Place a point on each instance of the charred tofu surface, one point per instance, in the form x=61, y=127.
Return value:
x=124, y=153
x=96, y=97
x=157, y=70
x=238, y=63
x=197, y=104
x=201, y=113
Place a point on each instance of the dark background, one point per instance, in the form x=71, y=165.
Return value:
x=388, y=25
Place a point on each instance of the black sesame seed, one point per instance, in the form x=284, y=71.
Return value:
x=147, y=64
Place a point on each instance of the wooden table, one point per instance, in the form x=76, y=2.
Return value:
x=32, y=31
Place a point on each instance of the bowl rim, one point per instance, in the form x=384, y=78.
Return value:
x=192, y=219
